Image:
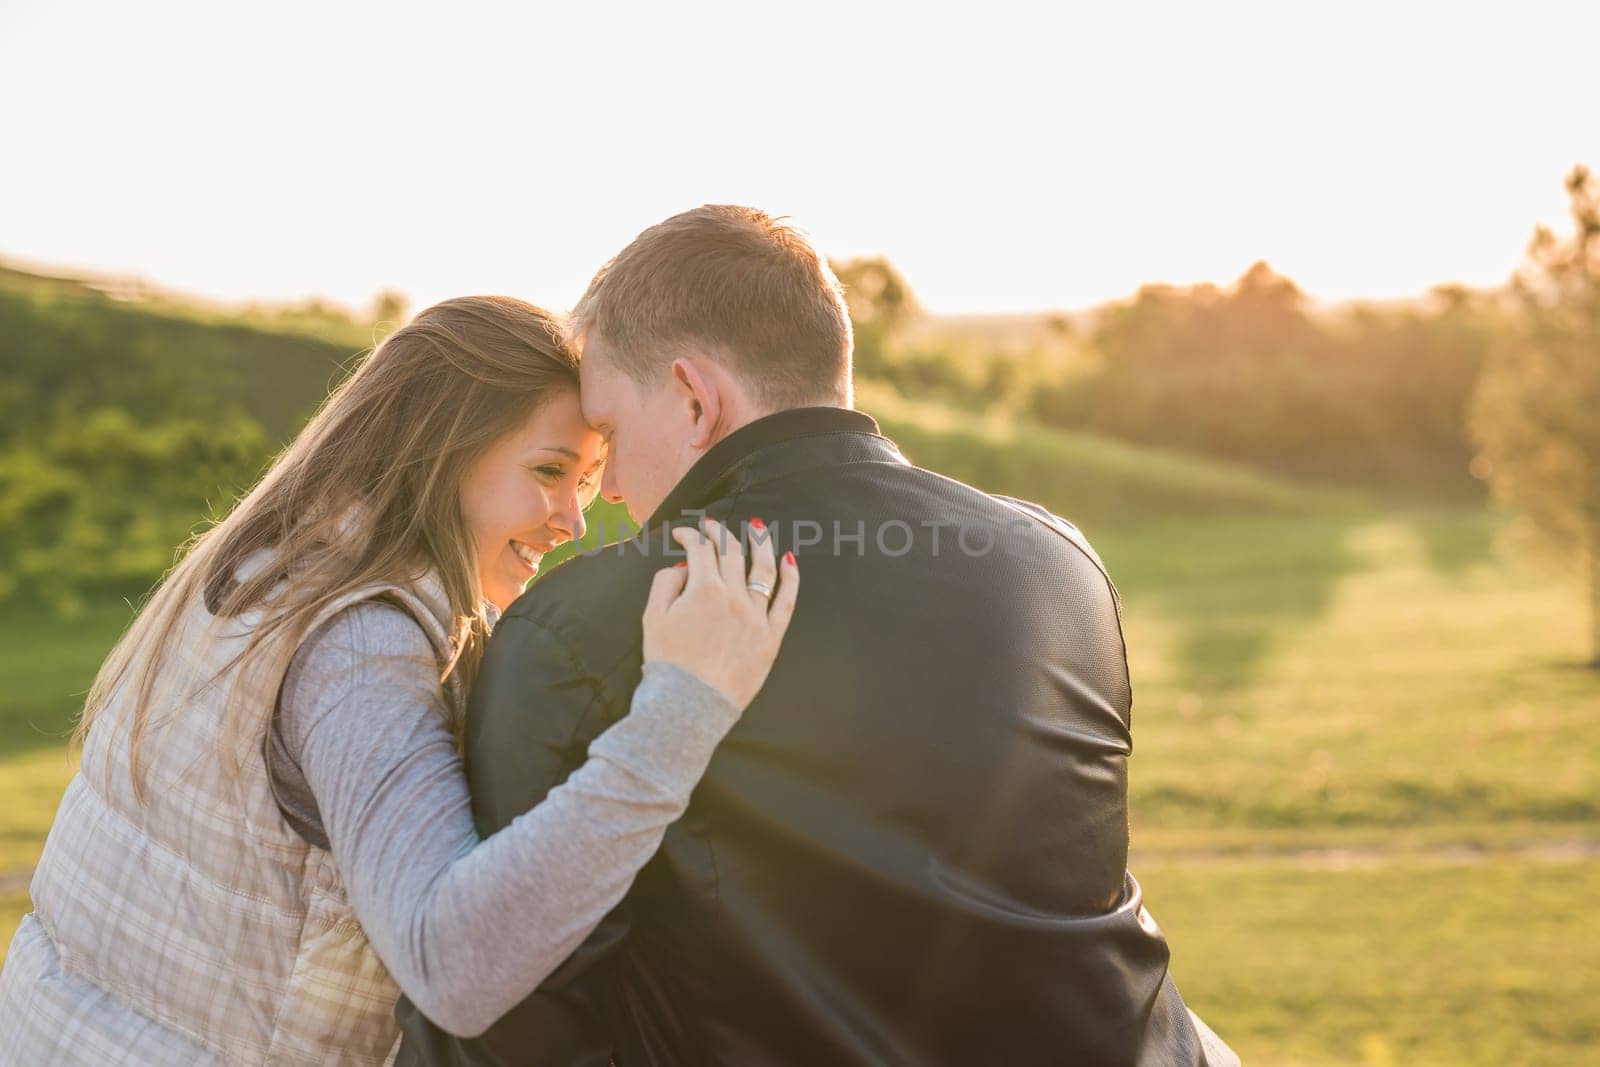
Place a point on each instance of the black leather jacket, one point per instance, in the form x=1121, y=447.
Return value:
x=911, y=849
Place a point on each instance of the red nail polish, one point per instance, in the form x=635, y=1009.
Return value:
x=681, y=563
x=788, y=557
x=757, y=524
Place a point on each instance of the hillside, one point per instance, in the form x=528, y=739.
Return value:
x=67, y=350
x=1090, y=479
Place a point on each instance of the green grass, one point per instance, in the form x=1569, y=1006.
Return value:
x=48, y=664
x=1306, y=678
x=1392, y=688
x=1333, y=679
x=1412, y=962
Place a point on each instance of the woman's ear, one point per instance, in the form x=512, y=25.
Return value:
x=704, y=399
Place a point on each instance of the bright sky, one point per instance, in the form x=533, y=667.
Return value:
x=1004, y=156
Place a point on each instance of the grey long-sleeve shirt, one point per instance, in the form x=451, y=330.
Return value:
x=363, y=763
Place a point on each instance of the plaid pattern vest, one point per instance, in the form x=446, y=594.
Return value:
x=196, y=927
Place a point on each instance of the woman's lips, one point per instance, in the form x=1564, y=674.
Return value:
x=528, y=555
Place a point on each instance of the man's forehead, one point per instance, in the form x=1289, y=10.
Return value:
x=594, y=355
x=593, y=388
x=590, y=341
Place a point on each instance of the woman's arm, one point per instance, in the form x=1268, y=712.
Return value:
x=468, y=929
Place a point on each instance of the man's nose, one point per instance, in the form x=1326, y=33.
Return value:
x=608, y=484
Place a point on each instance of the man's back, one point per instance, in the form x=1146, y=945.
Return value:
x=912, y=848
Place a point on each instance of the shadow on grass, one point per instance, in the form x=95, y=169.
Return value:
x=1233, y=586
x=1454, y=542
x=1236, y=586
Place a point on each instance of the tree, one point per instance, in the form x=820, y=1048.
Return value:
x=1536, y=415
x=879, y=301
x=875, y=292
x=390, y=308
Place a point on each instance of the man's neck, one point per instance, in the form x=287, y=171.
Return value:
x=741, y=410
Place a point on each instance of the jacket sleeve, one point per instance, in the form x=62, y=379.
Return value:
x=530, y=719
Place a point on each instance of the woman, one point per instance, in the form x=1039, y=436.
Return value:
x=270, y=835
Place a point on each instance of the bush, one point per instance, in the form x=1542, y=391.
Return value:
x=100, y=503
x=1366, y=396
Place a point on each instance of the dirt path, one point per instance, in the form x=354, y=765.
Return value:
x=1342, y=859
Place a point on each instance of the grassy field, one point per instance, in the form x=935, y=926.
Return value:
x=1364, y=787
x=1364, y=781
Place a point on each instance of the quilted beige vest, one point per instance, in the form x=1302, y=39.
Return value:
x=197, y=927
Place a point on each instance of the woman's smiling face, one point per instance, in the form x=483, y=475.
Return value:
x=526, y=492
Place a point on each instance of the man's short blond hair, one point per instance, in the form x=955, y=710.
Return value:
x=737, y=282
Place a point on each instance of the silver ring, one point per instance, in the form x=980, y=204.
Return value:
x=760, y=587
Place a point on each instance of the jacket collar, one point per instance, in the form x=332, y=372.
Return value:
x=747, y=445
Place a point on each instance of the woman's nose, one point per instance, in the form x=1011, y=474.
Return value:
x=569, y=517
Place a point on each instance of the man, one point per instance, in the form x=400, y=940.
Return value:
x=912, y=848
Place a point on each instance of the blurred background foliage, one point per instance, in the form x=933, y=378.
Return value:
x=129, y=419
x=1364, y=790
x=1249, y=372
x=127, y=414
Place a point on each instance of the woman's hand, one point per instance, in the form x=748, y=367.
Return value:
x=706, y=616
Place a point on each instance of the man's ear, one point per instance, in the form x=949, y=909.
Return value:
x=704, y=398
